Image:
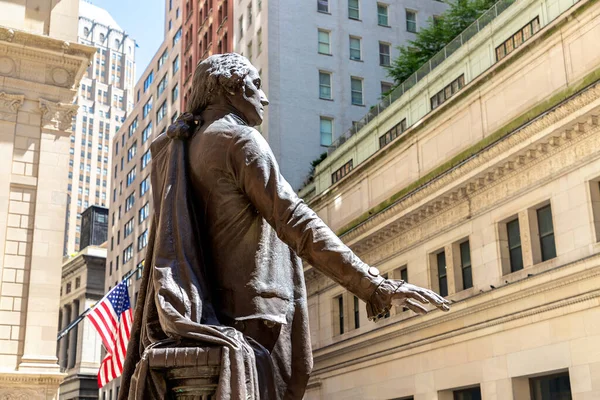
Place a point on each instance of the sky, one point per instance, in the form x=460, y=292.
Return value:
x=144, y=20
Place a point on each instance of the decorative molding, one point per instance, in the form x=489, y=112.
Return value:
x=10, y=102
x=46, y=43
x=57, y=116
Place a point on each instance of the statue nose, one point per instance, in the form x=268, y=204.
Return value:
x=263, y=99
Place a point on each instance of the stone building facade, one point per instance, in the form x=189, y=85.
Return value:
x=491, y=198
x=41, y=65
x=157, y=103
x=79, y=352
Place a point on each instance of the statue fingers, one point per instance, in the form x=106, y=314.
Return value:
x=416, y=307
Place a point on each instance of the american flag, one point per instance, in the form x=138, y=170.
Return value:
x=112, y=318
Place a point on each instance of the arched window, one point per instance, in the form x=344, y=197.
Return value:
x=101, y=37
x=86, y=31
x=117, y=43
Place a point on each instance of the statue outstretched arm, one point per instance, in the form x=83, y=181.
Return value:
x=257, y=174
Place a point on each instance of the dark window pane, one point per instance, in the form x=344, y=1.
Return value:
x=468, y=394
x=404, y=274
x=465, y=260
x=516, y=259
x=467, y=278
x=552, y=387
x=441, y=265
x=546, y=230
x=514, y=245
x=341, y=313
x=356, y=313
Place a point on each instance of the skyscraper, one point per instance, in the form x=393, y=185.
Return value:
x=105, y=96
x=322, y=65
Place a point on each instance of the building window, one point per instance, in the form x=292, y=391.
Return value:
x=326, y=131
x=162, y=85
x=340, y=312
x=143, y=213
x=249, y=52
x=146, y=157
x=356, y=86
x=517, y=39
x=241, y=25
x=411, y=21
x=147, y=107
x=175, y=93
x=392, y=134
x=162, y=112
x=139, y=270
x=142, y=240
x=324, y=42
x=449, y=91
x=355, y=48
x=130, y=202
x=441, y=272
x=384, y=54
x=148, y=81
x=128, y=228
x=546, y=231
x=386, y=87
x=145, y=185
x=175, y=65
x=465, y=265
x=163, y=58
x=324, y=85
x=356, y=313
x=68, y=290
x=127, y=253
x=323, y=6
x=468, y=394
x=132, y=151
x=382, y=15
x=515, y=250
x=353, y=9
x=259, y=42
x=131, y=176
x=147, y=132
x=177, y=37
x=551, y=387
x=341, y=172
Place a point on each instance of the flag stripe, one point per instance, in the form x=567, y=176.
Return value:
x=112, y=318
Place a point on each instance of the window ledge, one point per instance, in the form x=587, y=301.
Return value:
x=384, y=26
x=324, y=12
x=325, y=54
x=361, y=60
x=322, y=98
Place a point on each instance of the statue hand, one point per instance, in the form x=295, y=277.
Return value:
x=410, y=296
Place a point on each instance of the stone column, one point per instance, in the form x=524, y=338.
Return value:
x=48, y=236
x=74, y=337
x=64, y=342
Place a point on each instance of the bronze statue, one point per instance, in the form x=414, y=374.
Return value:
x=222, y=267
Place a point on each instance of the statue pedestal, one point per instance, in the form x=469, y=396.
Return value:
x=192, y=373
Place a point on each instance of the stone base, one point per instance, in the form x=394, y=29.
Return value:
x=29, y=385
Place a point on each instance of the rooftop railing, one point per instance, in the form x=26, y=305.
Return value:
x=485, y=19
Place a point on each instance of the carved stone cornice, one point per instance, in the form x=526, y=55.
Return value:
x=57, y=116
x=10, y=102
x=45, y=43
x=413, y=210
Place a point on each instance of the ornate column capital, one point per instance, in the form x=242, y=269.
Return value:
x=57, y=116
x=10, y=102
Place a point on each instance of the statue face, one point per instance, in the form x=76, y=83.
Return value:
x=251, y=100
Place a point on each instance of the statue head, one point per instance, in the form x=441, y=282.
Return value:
x=228, y=79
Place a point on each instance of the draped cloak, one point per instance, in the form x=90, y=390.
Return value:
x=223, y=249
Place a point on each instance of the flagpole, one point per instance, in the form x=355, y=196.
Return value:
x=81, y=316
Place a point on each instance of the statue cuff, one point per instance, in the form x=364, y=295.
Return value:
x=381, y=300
